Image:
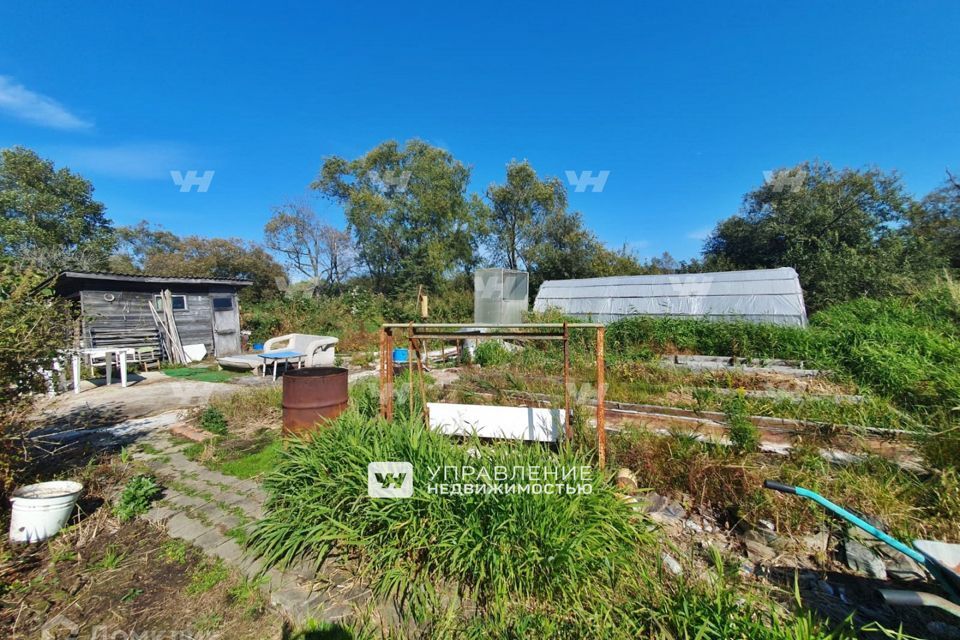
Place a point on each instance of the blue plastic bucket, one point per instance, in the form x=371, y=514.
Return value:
x=258, y=346
x=401, y=355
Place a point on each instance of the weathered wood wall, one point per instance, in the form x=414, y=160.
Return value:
x=126, y=319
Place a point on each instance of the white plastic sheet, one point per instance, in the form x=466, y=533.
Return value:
x=765, y=295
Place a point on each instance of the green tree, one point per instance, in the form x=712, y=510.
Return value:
x=518, y=210
x=220, y=258
x=936, y=219
x=409, y=212
x=137, y=242
x=48, y=217
x=34, y=325
x=842, y=230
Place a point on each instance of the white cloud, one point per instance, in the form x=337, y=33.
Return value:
x=700, y=234
x=143, y=161
x=20, y=102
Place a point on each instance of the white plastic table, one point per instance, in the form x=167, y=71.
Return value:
x=286, y=356
x=107, y=353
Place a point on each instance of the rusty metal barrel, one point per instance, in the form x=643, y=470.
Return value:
x=312, y=395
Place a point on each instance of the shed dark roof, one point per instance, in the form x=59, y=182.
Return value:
x=126, y=277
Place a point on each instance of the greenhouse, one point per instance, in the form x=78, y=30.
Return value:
x=769, y=296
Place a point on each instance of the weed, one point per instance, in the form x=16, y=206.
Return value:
x=247, y=594
x=490, y=354
x=208, y=623
x=136, y=497
x=207, y=576
x=126, y=455
x=743, y=433
x=131, y=595
x=111, y=559
x=175, y=551
x=213, y=420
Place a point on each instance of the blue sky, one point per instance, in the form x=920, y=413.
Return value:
x=685, y=104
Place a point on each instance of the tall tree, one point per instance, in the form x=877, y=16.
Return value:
x=842, y=230
x=518, y=209
x=220, y=258
x=409, y=212
x=937, y=219
x=136, y=243
x=311, y=247
x=48, y=217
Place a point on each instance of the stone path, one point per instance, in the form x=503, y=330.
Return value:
x=215, y=512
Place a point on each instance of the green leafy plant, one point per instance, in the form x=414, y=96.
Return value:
x=136, y=497
x=490, y=354
x=213, y=420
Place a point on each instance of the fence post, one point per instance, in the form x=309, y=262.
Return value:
x=601, y=418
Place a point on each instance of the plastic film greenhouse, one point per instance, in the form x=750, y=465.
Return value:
x=765, y=296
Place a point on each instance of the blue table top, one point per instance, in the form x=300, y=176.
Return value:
x=279, y=355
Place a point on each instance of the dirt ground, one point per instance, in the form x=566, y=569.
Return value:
x=125, y=580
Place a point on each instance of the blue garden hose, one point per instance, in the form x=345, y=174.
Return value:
x=849, y=517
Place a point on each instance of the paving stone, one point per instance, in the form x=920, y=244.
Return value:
x=230, y=552
x=213, y=513
x=159, y=514
x=186, y=528
x=184, y=501
x=210, y=540
x=298, y=603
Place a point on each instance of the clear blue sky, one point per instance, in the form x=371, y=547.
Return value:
x=685, y=104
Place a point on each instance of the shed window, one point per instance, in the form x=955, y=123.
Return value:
x=222, y=304
x=179, y=303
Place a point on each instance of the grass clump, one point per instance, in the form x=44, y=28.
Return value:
x=743, y=433
x=492, y=547
x=136, y=497
x=490, y=354
x=200, y=374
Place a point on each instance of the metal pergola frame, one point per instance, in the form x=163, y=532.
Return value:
x=418, y=333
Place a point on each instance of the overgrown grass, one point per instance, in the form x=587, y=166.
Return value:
x=904, y=349
x=136, y=497
x=729, y=484
x=493, y=548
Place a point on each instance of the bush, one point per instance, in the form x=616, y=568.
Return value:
x=493, y=547
x=490, y=354
x=136, y=497
x=213, y=420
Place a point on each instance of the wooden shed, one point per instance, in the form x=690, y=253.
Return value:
x=114, y=309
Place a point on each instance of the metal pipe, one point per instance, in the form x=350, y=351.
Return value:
x=601, y=383
x=899, y=598
x=863, y=524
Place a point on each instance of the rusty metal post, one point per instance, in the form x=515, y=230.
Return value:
x=410, y=370
x=567, y=422
x=601, y=384
x=388, y=348
x=383, y=363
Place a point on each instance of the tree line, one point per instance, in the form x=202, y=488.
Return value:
x=411, y=222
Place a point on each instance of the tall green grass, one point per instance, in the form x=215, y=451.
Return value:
x=906, y=349
x=492, y=547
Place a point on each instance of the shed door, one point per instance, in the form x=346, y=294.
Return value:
x=226, y=326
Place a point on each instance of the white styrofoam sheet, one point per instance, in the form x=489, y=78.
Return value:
x=485, y=421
